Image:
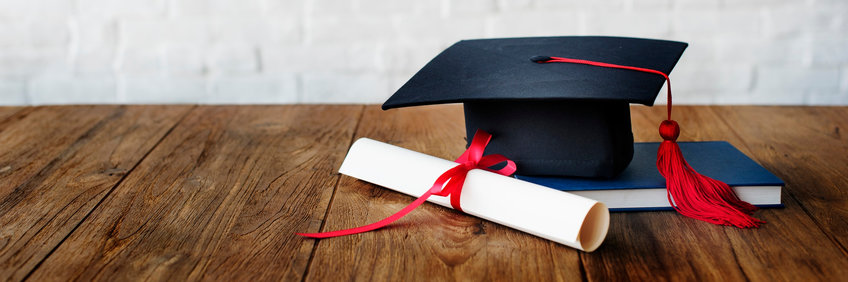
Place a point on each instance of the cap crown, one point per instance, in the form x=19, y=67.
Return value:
x=502, y=69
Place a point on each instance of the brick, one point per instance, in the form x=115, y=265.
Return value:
x=162, y=90
x=93, y=46
x=470, y=7
x=829, y=50
x=409, y=57
x=65, y=89
x=217, y=8
x=326, y=57
x=843, y=79
x=748, y=23
x=16, y=11
x=798, y=19
x=777, y=98
x=732, y=98
x=696, y=4
x=13, y=92
x=152, y=32
x=755, y=4
x=337, y=87
x=513, y=5
x=53, y=32
x=254, y=89
x=757, y=51
x=121, y=8
x=795, y=79
x=763, y=51
x=827, y=99
x=185, y=59
x=643, y=5
x=147, y=45
x=147, y=60
x=278, y=8
x=203, y=32
x=715, y=77
x=283, y=30
x=400, y=7
x=330, y=8
x=346, y=30
x=35, y=35
x=234, y=59
x=278, y=30
x=534, y=24
x=700, y=50
x=611, y=5
x=682, y=97
x=416, y=29
x=20, y=63
x=648, y=24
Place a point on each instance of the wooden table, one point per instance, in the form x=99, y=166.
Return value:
x=216, y=192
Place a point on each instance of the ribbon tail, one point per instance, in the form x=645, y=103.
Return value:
x=373, y=226
x=437, y=188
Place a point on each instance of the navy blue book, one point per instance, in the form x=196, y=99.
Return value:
x=641, y=187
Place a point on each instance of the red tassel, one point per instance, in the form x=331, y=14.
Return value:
x=689, y=192
x=695, y=195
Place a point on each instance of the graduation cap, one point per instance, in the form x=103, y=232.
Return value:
x=551, y=119
x=569, y=119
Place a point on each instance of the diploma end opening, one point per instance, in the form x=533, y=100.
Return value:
x=595, y=227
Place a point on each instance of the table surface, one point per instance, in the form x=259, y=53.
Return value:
x=217, y=192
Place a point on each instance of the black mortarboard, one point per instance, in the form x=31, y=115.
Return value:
x=551, y=119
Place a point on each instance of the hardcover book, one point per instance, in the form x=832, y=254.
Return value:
x=641, y=187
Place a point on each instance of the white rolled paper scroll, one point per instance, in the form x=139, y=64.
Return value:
x=565, y=218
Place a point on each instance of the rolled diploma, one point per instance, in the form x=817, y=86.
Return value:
x=565, y=218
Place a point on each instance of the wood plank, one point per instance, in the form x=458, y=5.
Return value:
x=57, y=163
x=792, y=240
x=6, y=112
x=218, y=199
x=664, y=244
x=34, y=139
x=432, y=242
x=685, y=248
x=807, y=148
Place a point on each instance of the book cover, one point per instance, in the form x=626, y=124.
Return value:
x=639, y=186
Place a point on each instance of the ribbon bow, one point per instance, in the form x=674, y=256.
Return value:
x=449, y=184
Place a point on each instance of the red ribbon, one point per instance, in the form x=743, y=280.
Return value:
x=449, y=184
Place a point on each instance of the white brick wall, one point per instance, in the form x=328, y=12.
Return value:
x=360, y=51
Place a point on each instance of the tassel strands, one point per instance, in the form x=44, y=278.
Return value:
x=695, y=195
x=689, y=192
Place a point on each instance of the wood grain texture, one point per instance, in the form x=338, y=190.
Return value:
x=790, y=239
x=6, y=112
x=663, y=245
x=58, y=163
x=432, y=243
x=122, y=193
x=218, y=199
x=808, y=148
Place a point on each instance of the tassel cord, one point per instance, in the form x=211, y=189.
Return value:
x=689, y=192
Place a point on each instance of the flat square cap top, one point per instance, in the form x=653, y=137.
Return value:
x=503, y=69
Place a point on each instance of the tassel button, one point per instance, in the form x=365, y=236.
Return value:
x=669, y=130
